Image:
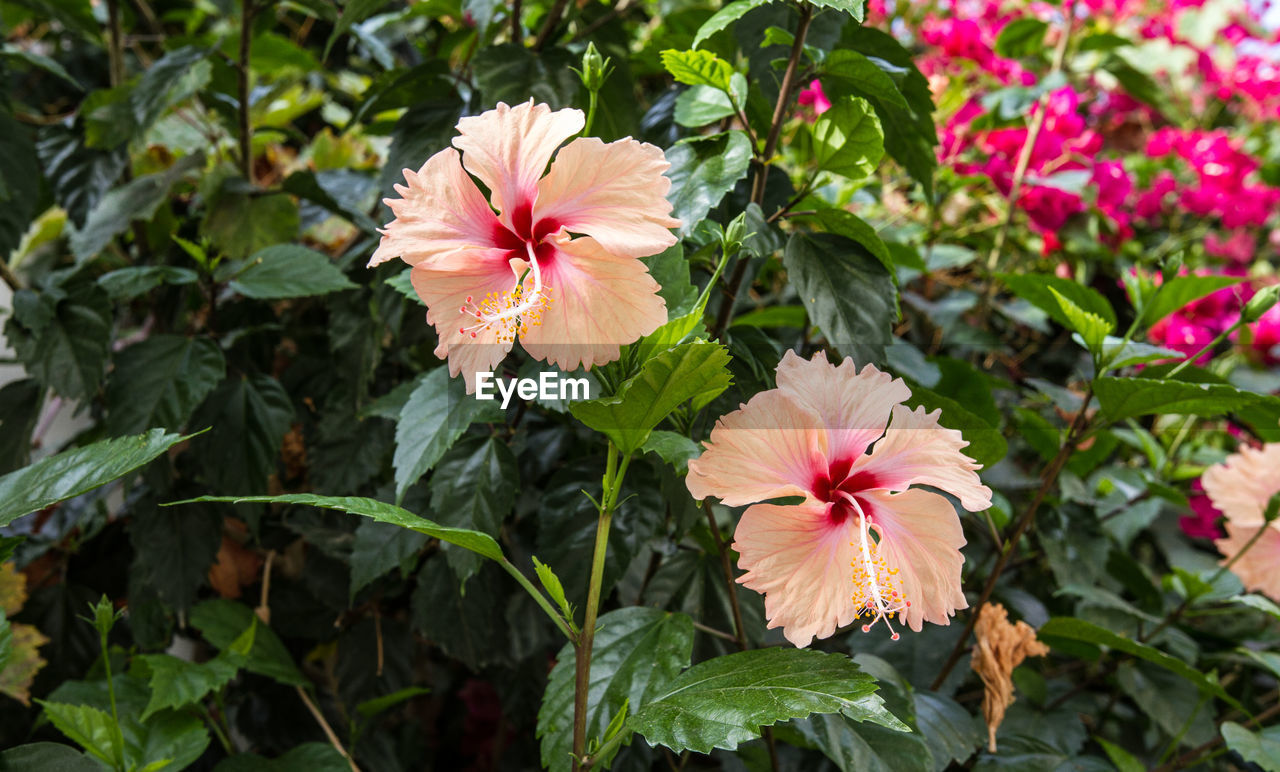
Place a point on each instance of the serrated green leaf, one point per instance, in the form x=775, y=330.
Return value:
x=88, y=727
x=551, y=583
x=848, y=140
x=637, y=653
x=379, y=548
x=1035, y=288
x=698, y=68
x=847, y=291
x=54, y=757
x=176, y=682
x=288, y=271
x=437, y=413
x=160, y=381
x=224, y=624
x=1181, y=291
x=63, y=337
x=986, y=443
x=249, y=417
x=474, y=487
x=722, y=18
x=703, y=170
x=852, y=7
x=129, y=283
x=725, y=701
x=1130, y=397
x=1070, y=629
x=480, y=543
x=675, y=449
x=73, y=472
x=136, y=200
x=695, y=371
x=1093, y=329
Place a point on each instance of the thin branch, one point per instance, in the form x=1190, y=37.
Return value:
x=324, y=727
x=1050, y=477
x=1028, y=147
x=517, y=29
x=1193, y=756
x=781, y=110
x=549, y=24
x=727, y=568
x=9, y=276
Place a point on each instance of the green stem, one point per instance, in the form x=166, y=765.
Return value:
x=1210, y=346
x=591, y=112
x=613, y=475
x=538, y=597
x=117, y=739
x=1222, y=570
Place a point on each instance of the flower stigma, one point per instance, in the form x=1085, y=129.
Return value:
x=513, y=312
x=878, y=587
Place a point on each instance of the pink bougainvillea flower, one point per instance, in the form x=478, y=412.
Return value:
x=490, y=278
x=863, y=544
x=1241, y=487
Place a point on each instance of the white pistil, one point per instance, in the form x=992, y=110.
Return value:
x=509, y=310
x=874, y=570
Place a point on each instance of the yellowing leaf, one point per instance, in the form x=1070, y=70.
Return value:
x=13, y=589
x=23, y=663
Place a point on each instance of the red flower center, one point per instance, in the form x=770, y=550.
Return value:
x=837, y=480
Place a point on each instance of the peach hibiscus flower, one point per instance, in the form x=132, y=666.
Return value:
x=863, y=544
x=1242, y=487
x=490, y=278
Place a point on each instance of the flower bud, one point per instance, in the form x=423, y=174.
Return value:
x=595, y=68
x=1260, y=303
x=735, y=234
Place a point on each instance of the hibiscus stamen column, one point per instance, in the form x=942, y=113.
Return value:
x=613, y=474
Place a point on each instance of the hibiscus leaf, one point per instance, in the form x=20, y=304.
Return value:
x=854, y=746
x=848, y=139
x=480, y=543
x=1181, y=291
x=1038, y=289
x=703, y=170
x=1071, y=630
x=73, y=472
x=435, y=416
x=852, y=7
x=288, y=271
x=159, y=381
x=1131, y=397
x=696, y=371
x=698, y=68
x=638, y=651
x=249, y=417
x=846, y=290
x=1261, y=748
x=722, y=18
x=725, y=701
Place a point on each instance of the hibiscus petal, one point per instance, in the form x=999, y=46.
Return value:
x=445, y=284
x=614, y=193
x=599, y=302
x=440, y=210
x=1242, y=485
x=1256, y=568
x=802, y=562
x=508, y=148
x=921, y=536
x=854, y=405
x=769, y=448
x=917, y=450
